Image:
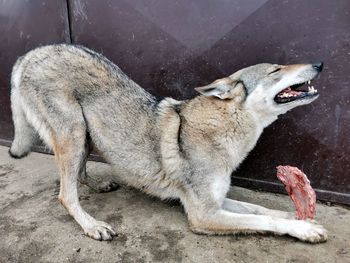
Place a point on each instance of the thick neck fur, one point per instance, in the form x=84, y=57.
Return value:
x=220, y=126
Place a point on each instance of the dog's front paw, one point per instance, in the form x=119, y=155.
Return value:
x=308, y=231
x=100, y=231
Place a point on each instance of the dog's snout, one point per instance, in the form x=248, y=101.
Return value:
x=318, y=66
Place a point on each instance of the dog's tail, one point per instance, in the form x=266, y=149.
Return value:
x=170, y=123
x=25, y=135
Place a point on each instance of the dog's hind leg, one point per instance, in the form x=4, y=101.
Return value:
x=71, y=157
x=247, y=208
x=68, y=140
x=98, y=185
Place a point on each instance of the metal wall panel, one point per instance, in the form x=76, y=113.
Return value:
x=169, y=47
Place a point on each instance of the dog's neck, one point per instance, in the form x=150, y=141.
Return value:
x=263, y=118
x=230, y=128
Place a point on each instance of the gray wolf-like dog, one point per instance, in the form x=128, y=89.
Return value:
x=71, y=97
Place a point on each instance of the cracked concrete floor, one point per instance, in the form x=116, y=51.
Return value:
x=35, y=228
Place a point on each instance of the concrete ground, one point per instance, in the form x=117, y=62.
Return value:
x=35, y=228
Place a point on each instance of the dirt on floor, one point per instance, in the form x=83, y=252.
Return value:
x=35, y=227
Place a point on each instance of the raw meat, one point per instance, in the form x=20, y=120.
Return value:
x=299, y=190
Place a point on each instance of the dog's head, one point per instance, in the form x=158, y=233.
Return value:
x=269, y=89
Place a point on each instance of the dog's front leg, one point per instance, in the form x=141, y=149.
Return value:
x=247, y=208
x=224, y=222
x=205, y=205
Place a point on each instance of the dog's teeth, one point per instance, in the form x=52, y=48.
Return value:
x=309, y=82
x=284, y=95
x=312, y=90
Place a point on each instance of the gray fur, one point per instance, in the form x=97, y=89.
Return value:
x=171, y=149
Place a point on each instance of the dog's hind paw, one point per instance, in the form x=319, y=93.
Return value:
x=98, y=185
x=309, y=231
x=107, y=186
x=100, y=231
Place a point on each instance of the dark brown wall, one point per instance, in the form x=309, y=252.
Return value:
x=169, y=47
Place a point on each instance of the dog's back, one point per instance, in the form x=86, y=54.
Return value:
x=60, y=90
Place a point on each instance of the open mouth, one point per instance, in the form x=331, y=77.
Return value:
x=296, y=92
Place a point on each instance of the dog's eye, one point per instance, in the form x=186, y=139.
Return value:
x=274, y=71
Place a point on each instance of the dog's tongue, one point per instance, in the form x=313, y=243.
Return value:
x=299, y=190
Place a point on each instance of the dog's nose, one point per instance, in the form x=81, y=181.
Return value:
x=318, y=66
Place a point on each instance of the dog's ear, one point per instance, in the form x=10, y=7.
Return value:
x=225, y=88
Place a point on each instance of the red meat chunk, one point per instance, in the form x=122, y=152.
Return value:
x=299, y=190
